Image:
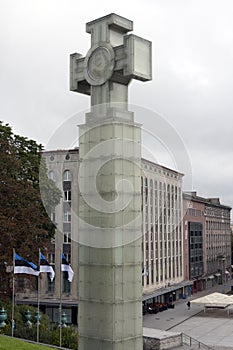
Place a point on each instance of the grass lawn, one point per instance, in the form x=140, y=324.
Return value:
x=11, y=343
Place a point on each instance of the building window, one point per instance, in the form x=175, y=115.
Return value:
x=146, y=190
x=51, y=175
x=68, y=257
x=195, y=249
x=152, y=271
x=20, y=283
x=67, y=196
x=52, y=215
x=67, y=237
x=67, y=216
x=50, y=285
x=67, y=175
x=51, y=258
x=66, y=283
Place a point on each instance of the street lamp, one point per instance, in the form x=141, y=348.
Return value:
x=3, y=317
x=28, y=317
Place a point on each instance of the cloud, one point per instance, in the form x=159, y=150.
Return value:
x=192, y=73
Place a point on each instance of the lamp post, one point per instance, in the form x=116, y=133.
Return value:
x=37, y=318
x=3, y=317
x=28, y=317
x=63, y=319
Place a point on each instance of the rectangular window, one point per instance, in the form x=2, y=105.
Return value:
x=68, y=257
x=51, y=258
x=50, y=285
x=67, y=196
x=67, y=237
x=52, y=216
x=66, y=283
x=20, y=283
x=67, y=216
x=157, y=271
x=152, y=271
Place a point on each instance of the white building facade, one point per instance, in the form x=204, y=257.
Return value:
x=162, y=234
x=162, y=252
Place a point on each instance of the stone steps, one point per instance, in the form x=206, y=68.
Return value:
x=155, y=339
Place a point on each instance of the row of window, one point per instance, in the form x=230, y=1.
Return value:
x=166, y=173
x=217, y=225
x=162, y=269
x=194, y=212
x=66, y=175
x=161, y=208
x=168, y=193
x=51, y=258
x=65, y=284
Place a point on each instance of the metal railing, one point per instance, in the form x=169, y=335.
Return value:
x=187, y=340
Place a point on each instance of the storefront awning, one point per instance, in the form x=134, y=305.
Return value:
x=170, y=289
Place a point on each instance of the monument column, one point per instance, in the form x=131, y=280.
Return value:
x=109, y=233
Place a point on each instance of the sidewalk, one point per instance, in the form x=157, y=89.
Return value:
x=170, y=318
x=210, y=328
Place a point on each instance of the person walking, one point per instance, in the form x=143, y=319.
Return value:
x=188, y=304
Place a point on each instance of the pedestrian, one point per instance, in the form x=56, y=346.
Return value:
x=188, y=304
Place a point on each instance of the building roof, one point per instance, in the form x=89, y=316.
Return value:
x=162, y=167
x=58, y=151
x=214, y=202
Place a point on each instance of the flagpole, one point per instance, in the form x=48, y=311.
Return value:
x=60, y=309
x=13, y=297
x=38, y=304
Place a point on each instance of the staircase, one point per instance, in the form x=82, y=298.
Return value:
x=191, y=343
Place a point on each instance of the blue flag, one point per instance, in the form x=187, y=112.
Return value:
x=23, y=266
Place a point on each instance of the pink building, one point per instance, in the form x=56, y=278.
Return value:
x=207, y=241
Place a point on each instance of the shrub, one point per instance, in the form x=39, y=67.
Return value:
x=46, y=334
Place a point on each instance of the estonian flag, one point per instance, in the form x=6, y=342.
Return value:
x=46, y=267
x=65, y=267
x=23, y=266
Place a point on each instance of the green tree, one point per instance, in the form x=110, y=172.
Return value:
x=24, y=222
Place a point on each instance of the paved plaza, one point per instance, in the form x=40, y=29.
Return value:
x=213, y=327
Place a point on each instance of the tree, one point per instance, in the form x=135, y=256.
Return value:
x=24, y=221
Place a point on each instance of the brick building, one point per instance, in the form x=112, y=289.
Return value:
x=207, y=241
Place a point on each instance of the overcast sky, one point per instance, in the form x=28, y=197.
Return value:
x=192, y=86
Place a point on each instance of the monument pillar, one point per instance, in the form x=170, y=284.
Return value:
x=109, y=233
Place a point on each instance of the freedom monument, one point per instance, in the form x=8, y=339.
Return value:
x=109, y=231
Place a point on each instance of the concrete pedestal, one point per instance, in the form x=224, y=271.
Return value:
x=110, y=289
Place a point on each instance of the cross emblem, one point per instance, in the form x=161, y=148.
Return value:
x=112, y=61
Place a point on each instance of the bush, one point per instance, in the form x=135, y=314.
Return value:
x=46, y=334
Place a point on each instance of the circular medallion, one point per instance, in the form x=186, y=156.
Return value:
x=99, y=64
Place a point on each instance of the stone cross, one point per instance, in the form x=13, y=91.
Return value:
x=112, y=61
x=109, y=231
